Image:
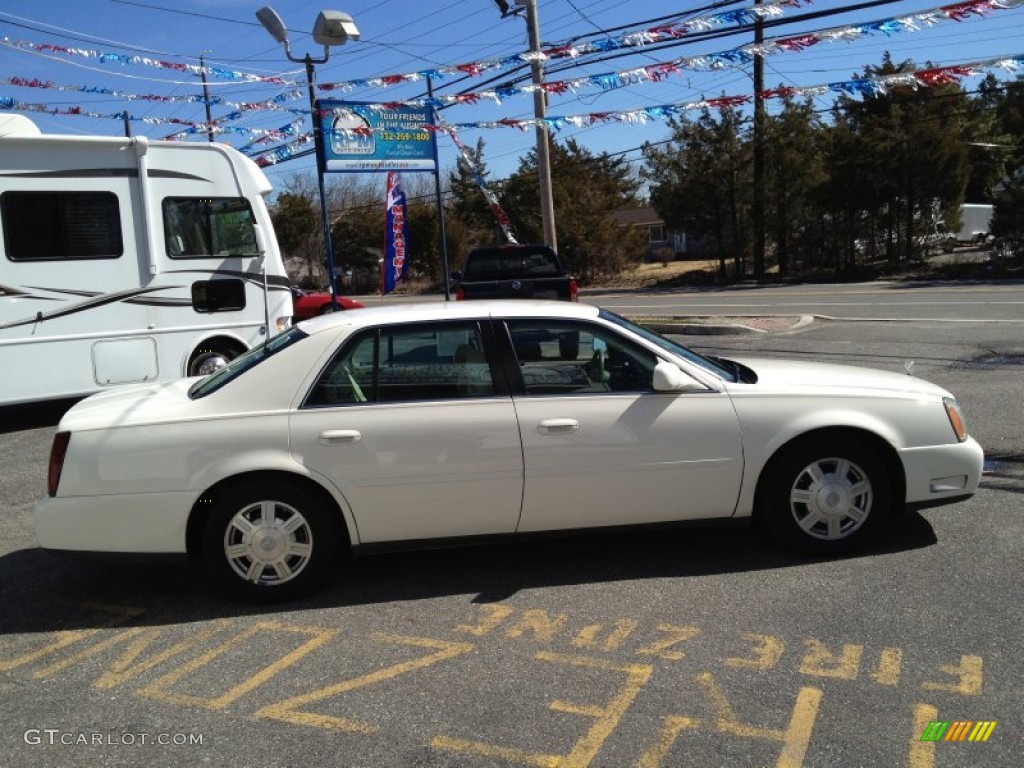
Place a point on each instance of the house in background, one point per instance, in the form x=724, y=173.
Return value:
x=659, y=240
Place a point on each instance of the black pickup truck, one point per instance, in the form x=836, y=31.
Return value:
x=514, y=271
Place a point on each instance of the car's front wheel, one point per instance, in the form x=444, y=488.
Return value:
x=825, y=496
x=270, y=541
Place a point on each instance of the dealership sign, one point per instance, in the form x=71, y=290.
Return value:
x=365, y=137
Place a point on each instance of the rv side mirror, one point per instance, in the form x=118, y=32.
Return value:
x=261, y=240
x=668, y=378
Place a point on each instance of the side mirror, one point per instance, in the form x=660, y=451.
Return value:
x=668, y=378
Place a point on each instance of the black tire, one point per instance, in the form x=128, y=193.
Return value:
x=283, y=536
x=825, y=496
x=327, y=309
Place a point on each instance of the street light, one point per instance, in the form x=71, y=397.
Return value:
x=331, y=28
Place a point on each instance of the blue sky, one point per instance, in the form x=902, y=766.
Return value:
x=401, y=36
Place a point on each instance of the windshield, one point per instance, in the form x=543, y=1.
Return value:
x=243, y=363
x=203, y=227
x=670, y=346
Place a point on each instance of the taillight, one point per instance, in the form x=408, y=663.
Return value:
x=574, y=289
x=460, y=294
x=57, y=453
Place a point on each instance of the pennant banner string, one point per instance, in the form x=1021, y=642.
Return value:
x=269, y=104
x=863, y=86
x=492, y=199
x=120, y=58
x=13, y=105
x=634, y=39
x=657, y=72
x=922, y=78
x=605, y=81
x=910, y=23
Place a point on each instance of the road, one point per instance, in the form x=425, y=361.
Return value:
x=970, y=302
x=702, y=647
x=939, y=302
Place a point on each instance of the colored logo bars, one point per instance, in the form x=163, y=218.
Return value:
x=958, y=730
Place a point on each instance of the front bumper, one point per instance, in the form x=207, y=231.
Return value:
x=942, y=474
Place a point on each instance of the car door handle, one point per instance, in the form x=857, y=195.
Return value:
x=558, y=426
x=337, y=436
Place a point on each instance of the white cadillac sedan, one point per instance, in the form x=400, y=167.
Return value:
x=481, y=419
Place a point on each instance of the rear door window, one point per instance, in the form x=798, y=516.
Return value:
x=428, y=361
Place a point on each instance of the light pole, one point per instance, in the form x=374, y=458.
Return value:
x=331, y=28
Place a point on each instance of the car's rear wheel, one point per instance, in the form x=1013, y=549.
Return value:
x=271, y=541
x=825, y=496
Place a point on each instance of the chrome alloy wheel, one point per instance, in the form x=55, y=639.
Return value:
x=268, y=543
x=831, y=498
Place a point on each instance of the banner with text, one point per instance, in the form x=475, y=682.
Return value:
x=395, y=235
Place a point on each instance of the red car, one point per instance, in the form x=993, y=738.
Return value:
x=309, y=304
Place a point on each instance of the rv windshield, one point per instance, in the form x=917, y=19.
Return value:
x=203, y=227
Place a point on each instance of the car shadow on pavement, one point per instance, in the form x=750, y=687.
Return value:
x=46, y=593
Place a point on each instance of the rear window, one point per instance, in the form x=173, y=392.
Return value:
x=509, y=263
x=245, y=362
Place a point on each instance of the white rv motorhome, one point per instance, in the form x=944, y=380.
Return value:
x=124, y=260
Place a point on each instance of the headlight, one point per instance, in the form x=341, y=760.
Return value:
x=956, y=418
x=283, y=323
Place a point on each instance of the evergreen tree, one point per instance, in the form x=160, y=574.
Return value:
x=586, y=189
x=915, y=145
x=299, y=234
x=701, y=183
x=1008, y=210
x=795, y=173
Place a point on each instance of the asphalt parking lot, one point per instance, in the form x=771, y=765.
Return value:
x=696, y=647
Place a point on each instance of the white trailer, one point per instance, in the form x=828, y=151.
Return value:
x=976, y=222
x=124, y=260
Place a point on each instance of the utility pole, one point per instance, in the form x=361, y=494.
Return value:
x=758, y=213
x=547, y=204
x=206, y=99
x=442, y=239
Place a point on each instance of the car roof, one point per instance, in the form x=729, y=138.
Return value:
x=390, y=314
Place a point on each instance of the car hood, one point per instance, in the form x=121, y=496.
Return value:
x=788, y=376
x=131, y=404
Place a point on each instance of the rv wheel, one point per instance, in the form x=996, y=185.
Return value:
x=211, y=357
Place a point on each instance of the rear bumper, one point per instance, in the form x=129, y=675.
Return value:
x=152, y=523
